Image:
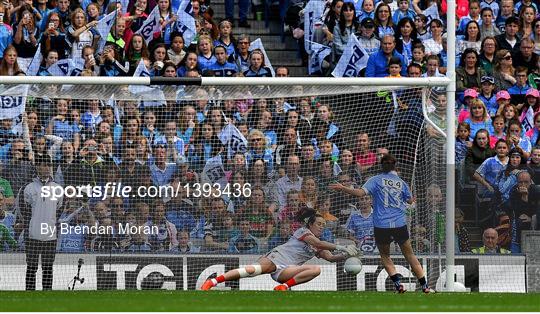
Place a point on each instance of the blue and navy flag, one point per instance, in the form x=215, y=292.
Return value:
x=353, y=59
x=150, y=26
x=313, y=13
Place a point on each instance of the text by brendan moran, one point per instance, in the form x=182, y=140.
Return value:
x=120, y=228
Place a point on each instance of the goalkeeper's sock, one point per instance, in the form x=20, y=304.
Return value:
x=218, y=279
x=291, y=282
x=396, y=278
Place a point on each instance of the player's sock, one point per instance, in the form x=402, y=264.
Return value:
x=423, y=282
x=291, y=282
x=396, y=278
x=218, y=279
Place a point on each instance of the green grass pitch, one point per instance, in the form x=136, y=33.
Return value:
x=253, y=301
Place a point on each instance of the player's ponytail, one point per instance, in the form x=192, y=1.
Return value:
x=307, y=215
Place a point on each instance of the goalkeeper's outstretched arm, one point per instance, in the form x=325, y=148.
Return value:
x=323, y=245
x=327, y=255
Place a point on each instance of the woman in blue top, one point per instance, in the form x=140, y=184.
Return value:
x=479, y=118
x=383, y=20
x=507, y=179
x=390, y=196
x=62, y=126
x=257, y=66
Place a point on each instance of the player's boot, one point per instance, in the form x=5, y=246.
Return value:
x=281, y=288
x=427, y=290
x=400, y=289
x=207, y=285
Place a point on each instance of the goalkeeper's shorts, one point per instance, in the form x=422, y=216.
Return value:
x=280, y=261
x=388, y=235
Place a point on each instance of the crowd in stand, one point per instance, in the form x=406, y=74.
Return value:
x=295, y=146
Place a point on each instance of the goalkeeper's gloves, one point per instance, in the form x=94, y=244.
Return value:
x=350, y=249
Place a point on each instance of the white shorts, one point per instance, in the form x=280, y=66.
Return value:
x=280, y=261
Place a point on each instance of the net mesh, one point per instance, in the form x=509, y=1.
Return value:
x=210, y=170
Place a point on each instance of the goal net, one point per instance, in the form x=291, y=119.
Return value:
x=160, y=187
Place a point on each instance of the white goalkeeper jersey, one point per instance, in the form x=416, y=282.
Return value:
x=295, y=251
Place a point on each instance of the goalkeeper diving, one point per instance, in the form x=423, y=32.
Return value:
x=286, y=263
x=390, y=196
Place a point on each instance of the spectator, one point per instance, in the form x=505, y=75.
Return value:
x=6, y=36
x=377, y=63
x=406, y=38
x=527, y=15
x=218, y=227
x=189, y=63
x=487, y=54
x=487, y=27
x=525, y=57
x=166, y=238
x=62, y=12
x=259, y=215
x=498, y=130
x=205, y=57
x=478, y=153
x=489, y=239
x=282, y=234
x=474, y=15
x=420, y=21
x=469, y=73
x=367, y=37
x=185, y=246
x=479, y=118
x=257, y=66
x=161, y=171
x=434, y=44
x=367, y=10
x=472, y=38
x=383, y=20
x=507, y=10
x=489, y=170
x=509, y=40
x=282, y=71
x=507, y=179
x=25, y=35
x=346, y=26
x=9, y=65
x=463, y=244
x=522, y=205
x=517, y=140
x=360, y=226
x=463, y=142
x=503, y=71
x=291, y=181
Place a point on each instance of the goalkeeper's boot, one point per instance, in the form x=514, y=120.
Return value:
x=209, y=283
x=281, y=288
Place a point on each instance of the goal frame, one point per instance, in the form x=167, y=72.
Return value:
x=449, y=82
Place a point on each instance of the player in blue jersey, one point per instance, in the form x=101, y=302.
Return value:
x=221, y=67
x=390, y=197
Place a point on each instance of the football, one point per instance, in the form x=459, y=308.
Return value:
x=352, y=266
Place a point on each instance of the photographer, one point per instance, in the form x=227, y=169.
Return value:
x=111, y=62
x=37, y=212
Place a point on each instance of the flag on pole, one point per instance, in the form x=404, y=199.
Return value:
x=313, y=13
x=432, y=12
x=233, y=139
x=112, y=103
x=104, y=25
x=185, y=23
x=353, y=59
x=213, y=171
x=150, y=26
x=318, y=53
x=527, y=119
x=33, y=68
x=257, y=44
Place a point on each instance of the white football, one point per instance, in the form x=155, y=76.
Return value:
x=352, y=266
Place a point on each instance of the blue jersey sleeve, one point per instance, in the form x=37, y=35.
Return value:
x=406, y=192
